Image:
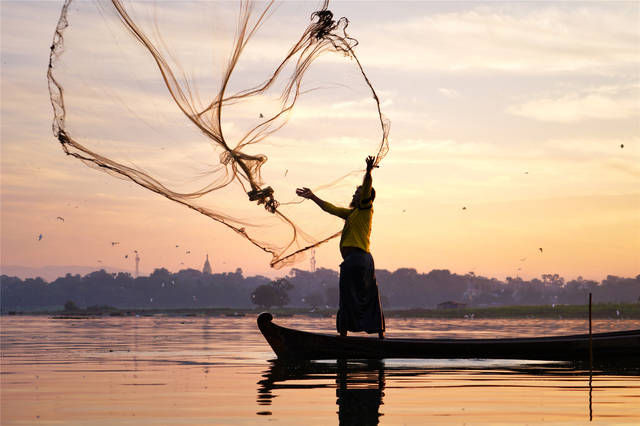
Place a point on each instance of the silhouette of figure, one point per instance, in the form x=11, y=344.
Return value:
x=360, y=308
x=359, y=394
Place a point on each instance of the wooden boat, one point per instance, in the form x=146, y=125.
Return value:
x=301, y=345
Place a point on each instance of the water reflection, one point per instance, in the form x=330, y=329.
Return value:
x=359, y=393
x=360, y=385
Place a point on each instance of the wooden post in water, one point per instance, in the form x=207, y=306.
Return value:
x=590, y=364
x=590, y=337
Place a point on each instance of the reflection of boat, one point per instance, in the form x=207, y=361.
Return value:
x=359, y=386
x=294, y=344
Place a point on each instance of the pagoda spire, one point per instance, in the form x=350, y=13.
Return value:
x=206, y=269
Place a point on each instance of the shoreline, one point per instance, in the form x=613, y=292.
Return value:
x=599, y=311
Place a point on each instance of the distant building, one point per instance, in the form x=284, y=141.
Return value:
x=206, y=269
x=450, y=304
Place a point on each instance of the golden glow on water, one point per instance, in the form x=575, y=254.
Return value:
x=172, y=370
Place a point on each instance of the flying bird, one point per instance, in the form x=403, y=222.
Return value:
x=261, y=116
x=286, y=171
x=188, y=251
x=126, y=256
x=60, y=218
x=464, y=208
x=621, y=145
x=540, y=248
x=177, y=246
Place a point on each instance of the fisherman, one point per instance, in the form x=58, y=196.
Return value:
x=360, y=308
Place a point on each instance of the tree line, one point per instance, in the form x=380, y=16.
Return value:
x=404, y=288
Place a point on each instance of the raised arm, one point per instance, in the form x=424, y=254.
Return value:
x=367, y=182
x=324, y=205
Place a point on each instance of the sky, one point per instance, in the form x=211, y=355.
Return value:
x=515, y=127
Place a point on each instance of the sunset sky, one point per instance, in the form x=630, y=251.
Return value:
x=527, y=115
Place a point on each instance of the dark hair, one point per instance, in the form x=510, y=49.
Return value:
x=371, y=198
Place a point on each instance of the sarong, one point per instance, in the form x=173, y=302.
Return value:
x=360, y=308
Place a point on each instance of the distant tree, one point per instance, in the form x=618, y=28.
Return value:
x=314, y=299
x=272, y=294
x=264, y=296
x=70, y=306
x=100, y=308
x=552, y=280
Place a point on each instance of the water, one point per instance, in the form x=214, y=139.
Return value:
x=218, y=370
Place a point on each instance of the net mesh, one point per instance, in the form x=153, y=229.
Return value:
x=223, y=107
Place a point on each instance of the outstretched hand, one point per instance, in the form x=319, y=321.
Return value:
x=370, y=163
x=305, y=193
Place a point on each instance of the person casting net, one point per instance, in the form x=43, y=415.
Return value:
x=218, y=106
x=360, y=308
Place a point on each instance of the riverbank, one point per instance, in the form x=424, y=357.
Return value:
x=601, y=310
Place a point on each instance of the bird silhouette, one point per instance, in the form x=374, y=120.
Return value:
x=621, y=145
x=261, y=116
x=60, y=218
x=540, y=249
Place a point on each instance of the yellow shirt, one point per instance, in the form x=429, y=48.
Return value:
x=357, y=225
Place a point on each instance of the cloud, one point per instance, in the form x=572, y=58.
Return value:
x=605, y=103
x=449, y=93
x=522, y=37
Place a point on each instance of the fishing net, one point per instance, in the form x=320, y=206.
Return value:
x=224, y=107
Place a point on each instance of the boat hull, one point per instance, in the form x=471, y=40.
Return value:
x=301, y=345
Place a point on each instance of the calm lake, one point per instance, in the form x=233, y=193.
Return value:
x=164, y=370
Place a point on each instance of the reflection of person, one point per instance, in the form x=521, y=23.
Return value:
x=359, y=394
x=359, y=387
x=360, y=308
